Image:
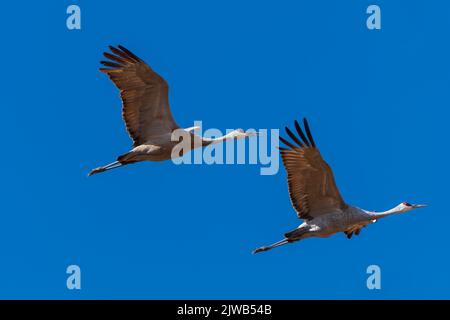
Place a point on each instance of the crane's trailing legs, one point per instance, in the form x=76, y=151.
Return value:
x=295, y=235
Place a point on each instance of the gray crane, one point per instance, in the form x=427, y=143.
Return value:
x=146, y=111
x=315, y=196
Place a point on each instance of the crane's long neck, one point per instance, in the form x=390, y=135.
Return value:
x=390, y=212
x=208, y=141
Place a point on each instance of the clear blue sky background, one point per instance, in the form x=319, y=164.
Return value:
x=378, y=103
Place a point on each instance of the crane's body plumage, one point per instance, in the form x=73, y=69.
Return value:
x=352, y=218
x=315, y=195
x=146, y=111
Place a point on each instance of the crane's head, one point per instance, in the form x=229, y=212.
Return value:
x=406, y=206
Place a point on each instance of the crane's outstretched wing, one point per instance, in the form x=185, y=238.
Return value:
x=312, y=188
x=144, y=93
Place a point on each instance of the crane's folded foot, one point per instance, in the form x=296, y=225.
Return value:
x=115, y=164
x=276, y=244
x=96, y=170
x=260, y=249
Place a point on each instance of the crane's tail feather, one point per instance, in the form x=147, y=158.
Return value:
x=276, y=244
x=115, y=164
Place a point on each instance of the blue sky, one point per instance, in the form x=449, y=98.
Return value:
x=377, y=102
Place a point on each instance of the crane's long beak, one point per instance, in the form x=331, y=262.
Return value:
x=415, y=206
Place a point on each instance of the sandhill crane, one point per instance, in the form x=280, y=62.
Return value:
x=146, y=112
x=315, y=196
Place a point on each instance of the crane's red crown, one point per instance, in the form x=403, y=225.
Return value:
x=407, y=204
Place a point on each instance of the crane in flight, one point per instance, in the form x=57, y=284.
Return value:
x=315, y=196
x=146, y=111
